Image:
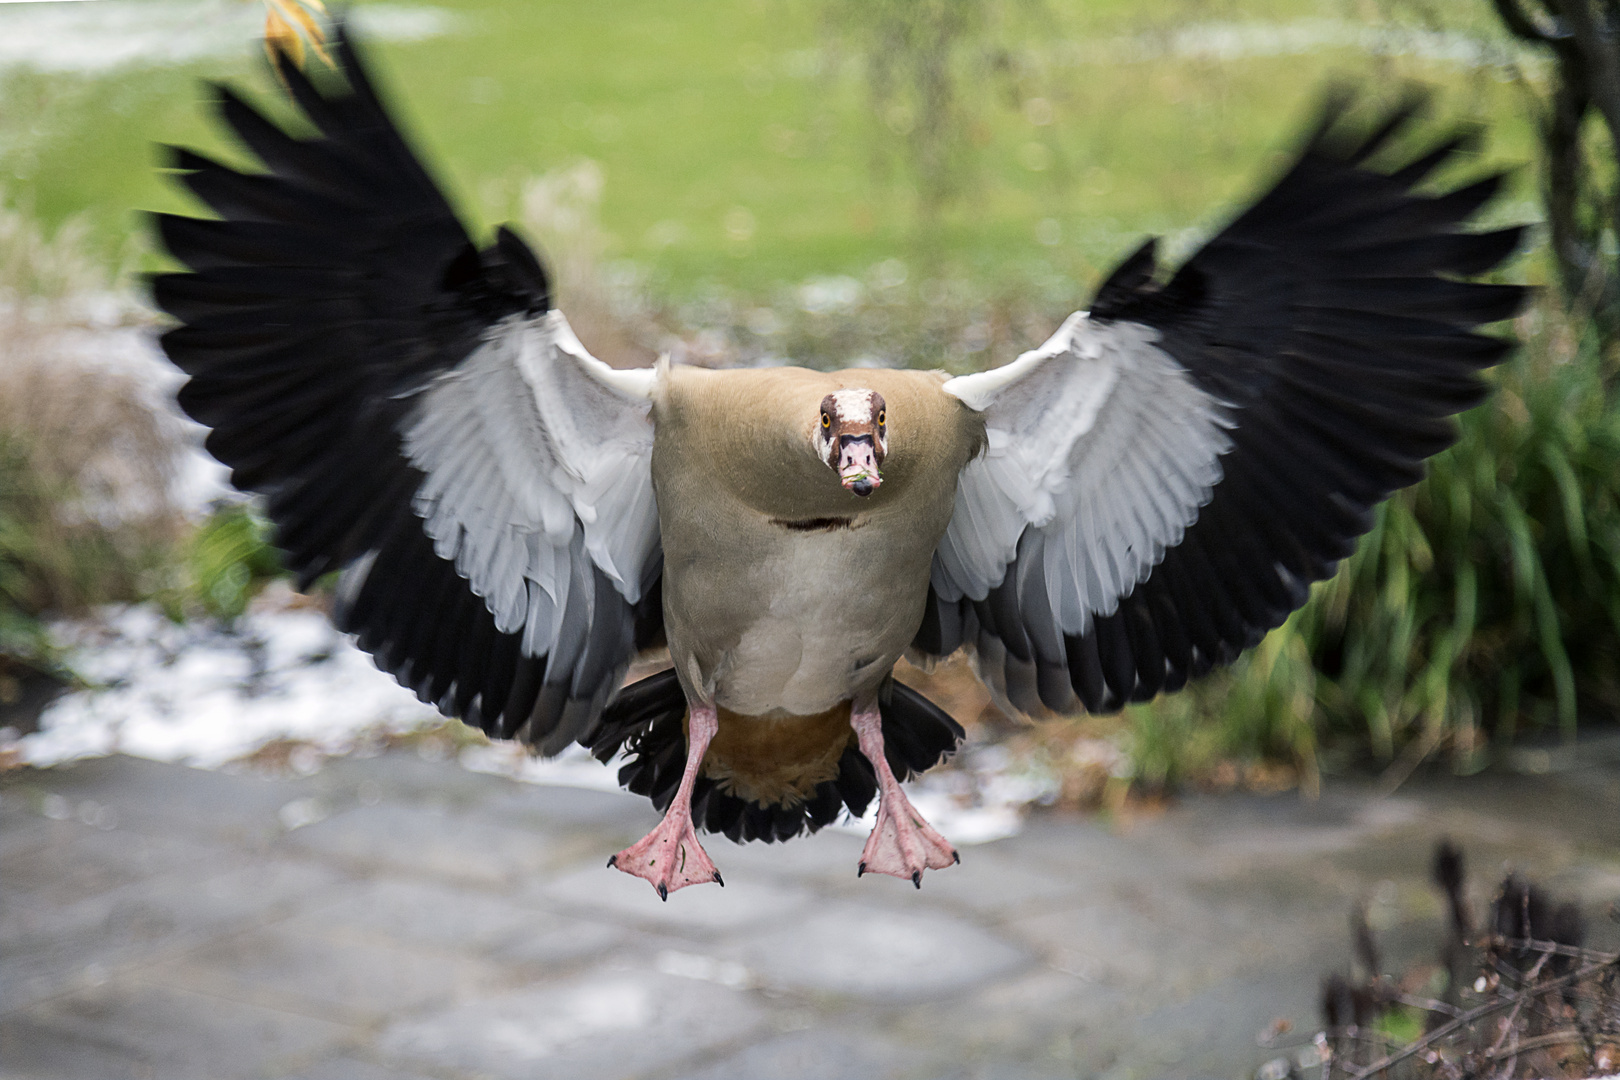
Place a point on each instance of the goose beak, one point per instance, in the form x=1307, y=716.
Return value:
x=858, y=464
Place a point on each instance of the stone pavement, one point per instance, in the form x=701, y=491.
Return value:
x=402, y=918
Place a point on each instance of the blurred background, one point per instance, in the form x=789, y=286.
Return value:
x=830, y=183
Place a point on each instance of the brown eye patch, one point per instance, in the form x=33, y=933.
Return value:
x=829, y=405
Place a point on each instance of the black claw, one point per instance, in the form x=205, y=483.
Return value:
x=613, y=860
x=916, y=878
x=663, y=893
x=861, y=869
x=956, y=857
x=717, y=879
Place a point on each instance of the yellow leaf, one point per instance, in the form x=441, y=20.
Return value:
x=281, y=39
x=299, y=10
x=284, y=18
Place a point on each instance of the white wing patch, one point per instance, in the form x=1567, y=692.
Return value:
x=1099, y=442
x=536, y=454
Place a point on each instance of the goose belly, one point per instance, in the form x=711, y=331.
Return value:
x=793, y=623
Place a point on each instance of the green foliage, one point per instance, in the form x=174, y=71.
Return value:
x=53, y=558
x=22, y=635
x=928, y=66
x=1488, y=597
x=1402, y=1024
x=228, y=559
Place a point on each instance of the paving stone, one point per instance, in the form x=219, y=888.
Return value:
x=1277, y=827
x=200, y=898
x=1007, y=1070
x=76, y=860
x=407, y=777
x=158, y=1033
x=876, y=953
x=534, y=806
x=30, y=1052
x=349, y=1067
x=158, y=799
x=61, y=904
x=1132, y=945
x=1217, y=1033
x=843, y=1053
x=553, y=940
x=996, y=879
x=432, y=841
x=354, y=981
x=22, y=825
x=1036, y=1015
x=828, y=857
x=474, y=932
x=606, y=1024
x=440, y=916
x=48, y=949
x=697, y=908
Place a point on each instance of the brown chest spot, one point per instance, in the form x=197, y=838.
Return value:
x=777, y=759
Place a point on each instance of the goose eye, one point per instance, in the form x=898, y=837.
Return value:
x=826, y=420
x=880, y=418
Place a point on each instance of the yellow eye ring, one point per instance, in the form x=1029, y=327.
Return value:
x=826, y=421
x=880, y=418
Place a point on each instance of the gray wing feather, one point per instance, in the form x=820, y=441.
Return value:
x=536, y=468
x=1100, y=452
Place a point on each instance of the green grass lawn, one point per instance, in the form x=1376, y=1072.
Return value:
x=749, y=113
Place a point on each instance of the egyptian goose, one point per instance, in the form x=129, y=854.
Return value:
x=1131, y=504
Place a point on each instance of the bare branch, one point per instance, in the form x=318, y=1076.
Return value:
x=1552, y=1038
x=1452, y=1026
x=1592, y=956
x=1603, y=67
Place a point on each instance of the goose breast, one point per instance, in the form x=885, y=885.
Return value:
x=784, y=592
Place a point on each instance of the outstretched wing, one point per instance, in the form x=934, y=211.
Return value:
x=417, y=417
x=1167, y=475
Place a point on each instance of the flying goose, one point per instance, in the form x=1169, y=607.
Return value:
x=1124, y=508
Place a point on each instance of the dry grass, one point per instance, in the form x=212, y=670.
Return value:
x=87, y=463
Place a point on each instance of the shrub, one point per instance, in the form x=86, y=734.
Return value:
x=86, y=460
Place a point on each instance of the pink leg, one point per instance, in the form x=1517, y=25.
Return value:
x=670, y=856
x=902, y=843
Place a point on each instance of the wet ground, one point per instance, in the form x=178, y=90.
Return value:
x=402, y=918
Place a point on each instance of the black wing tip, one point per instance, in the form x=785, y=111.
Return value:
x=528, y=274
x=1334, y=132
x=1125, y=285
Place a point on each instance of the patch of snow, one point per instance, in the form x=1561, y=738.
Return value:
x=981, y=796
x=574, y=767
x=1229, y=41
x=197, y=695
x=113, y=35
x=194, y=695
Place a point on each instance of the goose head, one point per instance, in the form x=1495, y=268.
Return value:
x=852, y=438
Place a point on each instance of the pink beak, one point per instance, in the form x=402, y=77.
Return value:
x=857, y=464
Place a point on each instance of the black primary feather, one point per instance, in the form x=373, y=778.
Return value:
x=330, y=291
